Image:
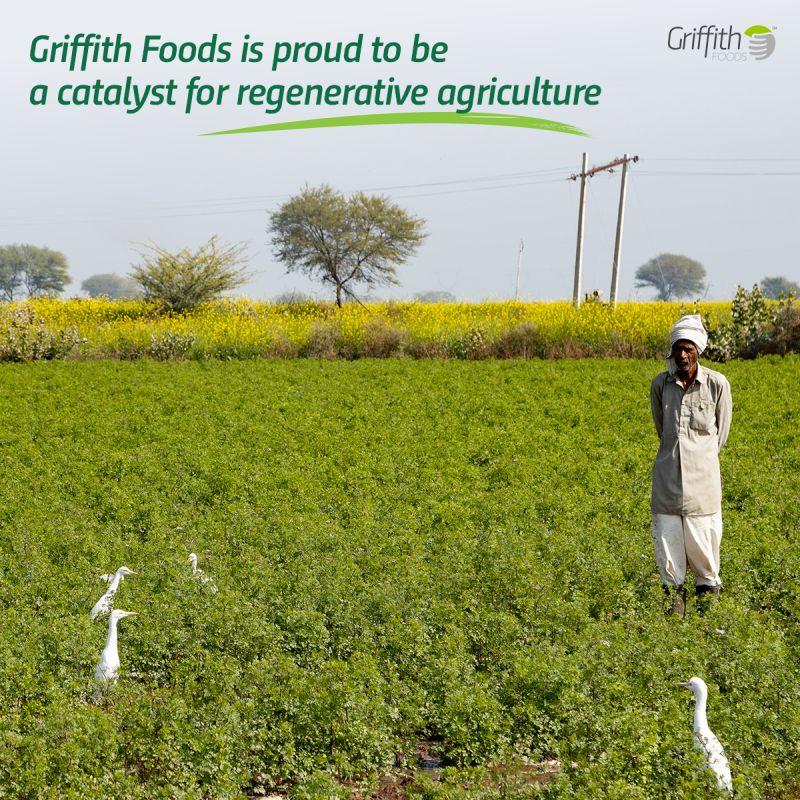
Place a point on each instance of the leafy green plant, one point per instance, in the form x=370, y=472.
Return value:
x=441, y=557
x=25, y=337
x=757, y=326
x=170, y=345
x=471, y=344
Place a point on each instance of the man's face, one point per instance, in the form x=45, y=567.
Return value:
x=685, y=355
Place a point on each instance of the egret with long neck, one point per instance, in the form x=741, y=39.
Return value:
x=106, y=602
x=200, y=575
x=107, y=669
x=704, y=737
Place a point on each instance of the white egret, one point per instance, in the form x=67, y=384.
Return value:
x=106, y=602
x=108, y=668
x=705, y=740
x=200, y=575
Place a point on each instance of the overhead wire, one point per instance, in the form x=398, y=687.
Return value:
x=23, y=221
x=696, y=174
x=485, y=188
x=223, y=206
x=715, y=158
x=179, y=204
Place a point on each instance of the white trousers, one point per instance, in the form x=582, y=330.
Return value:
x=694, y=541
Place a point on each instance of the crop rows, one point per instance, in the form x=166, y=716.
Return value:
x=453, y=556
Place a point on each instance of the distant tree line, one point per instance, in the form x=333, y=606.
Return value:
x=773, y=288
x=36, y=271
x=675, y=276
x=344, y=243
x=111, y=285
x=435, y=296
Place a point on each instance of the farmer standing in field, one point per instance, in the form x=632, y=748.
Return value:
x=691, y=408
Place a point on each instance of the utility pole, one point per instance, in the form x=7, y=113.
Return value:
x=618, y=239
x=576, y=286
x=583, y=175
x=519, y=267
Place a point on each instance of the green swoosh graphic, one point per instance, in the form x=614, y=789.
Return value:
x=412, y=118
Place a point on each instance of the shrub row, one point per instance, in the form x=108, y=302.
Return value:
x=47, y=329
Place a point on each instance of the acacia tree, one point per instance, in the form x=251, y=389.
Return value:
x=180, y=281
x=344, y=241
x=672, y=276
x=39, y=269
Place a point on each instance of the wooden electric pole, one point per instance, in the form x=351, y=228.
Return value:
x=583, y=175
x=618, y=239
x=576, y=286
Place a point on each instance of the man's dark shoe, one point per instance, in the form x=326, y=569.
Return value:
x=677, y=601
x=702, y=589
x=705, y=596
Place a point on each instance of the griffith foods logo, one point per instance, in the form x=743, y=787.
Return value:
x=757, y=43
x=762, y=41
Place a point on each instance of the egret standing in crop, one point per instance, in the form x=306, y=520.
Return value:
x=108, y=669
x=704, y=737
x=691, y=407
x=200, y=575
x=106, y=602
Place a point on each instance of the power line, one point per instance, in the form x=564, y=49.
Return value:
x=672, y=173
x=129, y=219
x=551, y=170
x=222, y=204
x=153, y=207
x=484, y=188
x=735, y=158
x=258, y=209
x=178, y=204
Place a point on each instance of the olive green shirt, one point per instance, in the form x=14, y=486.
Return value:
x=693, y=425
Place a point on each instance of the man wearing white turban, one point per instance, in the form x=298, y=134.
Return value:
x=691, y=407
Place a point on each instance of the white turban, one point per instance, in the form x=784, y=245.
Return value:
x=689, y=328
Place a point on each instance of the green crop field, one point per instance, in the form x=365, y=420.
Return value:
x=451, y=558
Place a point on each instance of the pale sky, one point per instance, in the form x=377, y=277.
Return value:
x=94, y=182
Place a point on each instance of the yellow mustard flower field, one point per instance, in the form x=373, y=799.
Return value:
x=242, y=328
